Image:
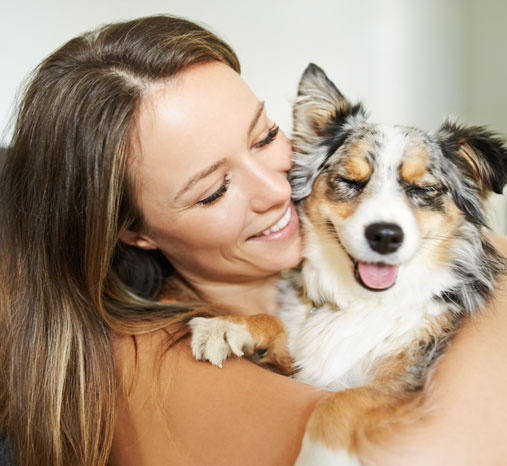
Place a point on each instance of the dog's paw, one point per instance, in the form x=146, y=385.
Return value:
x=215, y=339
x=317, y=454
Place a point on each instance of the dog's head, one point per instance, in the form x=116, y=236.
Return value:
x=386, y=195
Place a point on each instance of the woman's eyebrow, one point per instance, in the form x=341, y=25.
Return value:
x=199, y=176
x=208, y=170
x=258, y=113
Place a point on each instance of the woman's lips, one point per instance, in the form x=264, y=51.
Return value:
x=285, y=226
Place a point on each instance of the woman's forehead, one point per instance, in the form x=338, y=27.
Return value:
x=195, y=97
x=194, y=120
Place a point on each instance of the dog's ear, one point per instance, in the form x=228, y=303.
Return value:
x=319, y=128
x=319, y=103
x=479, y=154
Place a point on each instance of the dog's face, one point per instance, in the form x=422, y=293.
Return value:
x=379, y=196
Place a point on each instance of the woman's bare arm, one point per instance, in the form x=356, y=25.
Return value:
x=197, y=414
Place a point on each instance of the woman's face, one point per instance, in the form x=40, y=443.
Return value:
x=211, y=179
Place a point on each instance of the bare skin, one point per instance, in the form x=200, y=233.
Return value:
x=242, y=298
x=467, y=426
x=239, y=415
x=243, y=414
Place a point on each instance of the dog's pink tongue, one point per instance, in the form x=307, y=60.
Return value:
x=377, y=276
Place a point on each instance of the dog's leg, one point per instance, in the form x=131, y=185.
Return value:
x=344, y=426
x=261, y=337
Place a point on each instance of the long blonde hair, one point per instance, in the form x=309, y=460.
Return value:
x=65, y=200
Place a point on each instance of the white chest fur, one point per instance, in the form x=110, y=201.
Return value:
x=336, y=349
x=337, y=346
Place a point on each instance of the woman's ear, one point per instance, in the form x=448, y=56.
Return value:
x=134, y=238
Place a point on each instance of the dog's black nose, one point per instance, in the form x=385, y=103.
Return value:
x=384, y=238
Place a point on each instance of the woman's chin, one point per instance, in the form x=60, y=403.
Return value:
x=273, y=258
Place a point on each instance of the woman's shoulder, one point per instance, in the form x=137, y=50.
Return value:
x=173, y=409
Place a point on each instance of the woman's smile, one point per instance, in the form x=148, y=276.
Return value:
x=211, y=171
x=282, y=229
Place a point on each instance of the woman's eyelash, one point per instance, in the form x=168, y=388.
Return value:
x=217, y=194
x=271, y=136
x=272, y=133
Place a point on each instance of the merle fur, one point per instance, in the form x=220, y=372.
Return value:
x=459, y=179
x=310, y=159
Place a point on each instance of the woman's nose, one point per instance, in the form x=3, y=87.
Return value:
x=268, y=189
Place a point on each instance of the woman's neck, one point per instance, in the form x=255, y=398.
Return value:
x=250, y=297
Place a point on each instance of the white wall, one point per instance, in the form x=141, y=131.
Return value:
x=405, y=59
x=402, y=58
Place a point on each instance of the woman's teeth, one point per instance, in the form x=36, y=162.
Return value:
x=282, y=223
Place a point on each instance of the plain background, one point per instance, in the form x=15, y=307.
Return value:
x=410, y=62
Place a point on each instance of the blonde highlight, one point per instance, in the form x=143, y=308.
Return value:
x=65, y=201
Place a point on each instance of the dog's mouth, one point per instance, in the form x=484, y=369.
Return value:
x=375, y=276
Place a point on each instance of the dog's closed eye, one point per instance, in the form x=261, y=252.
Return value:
x=425, y=195
x=346, y=186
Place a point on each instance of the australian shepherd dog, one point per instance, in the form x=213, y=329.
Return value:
x=396, y=254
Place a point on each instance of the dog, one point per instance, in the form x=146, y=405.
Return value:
x=396, y=255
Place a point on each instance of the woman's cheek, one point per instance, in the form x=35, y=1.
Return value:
x=224, y=227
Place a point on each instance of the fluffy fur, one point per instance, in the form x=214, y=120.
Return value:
x=396, y=254
x=350, y=174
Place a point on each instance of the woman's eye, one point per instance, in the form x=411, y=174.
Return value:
x=271, y=136
x=217, y=194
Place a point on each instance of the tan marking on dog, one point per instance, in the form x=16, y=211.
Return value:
x=319, y=208
x=269, y=333
x=318, y=118
x=479, y=169
x=438, y=230
x=342, y=210
x=320, y=212
x=358, y=168
x=414, y=166
x=387, y=373
x=470, y=157
x=436, y=326
x=452, y=220
x=357, y=418
x=356, y=164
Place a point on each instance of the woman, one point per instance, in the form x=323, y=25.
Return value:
x=138, y=146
